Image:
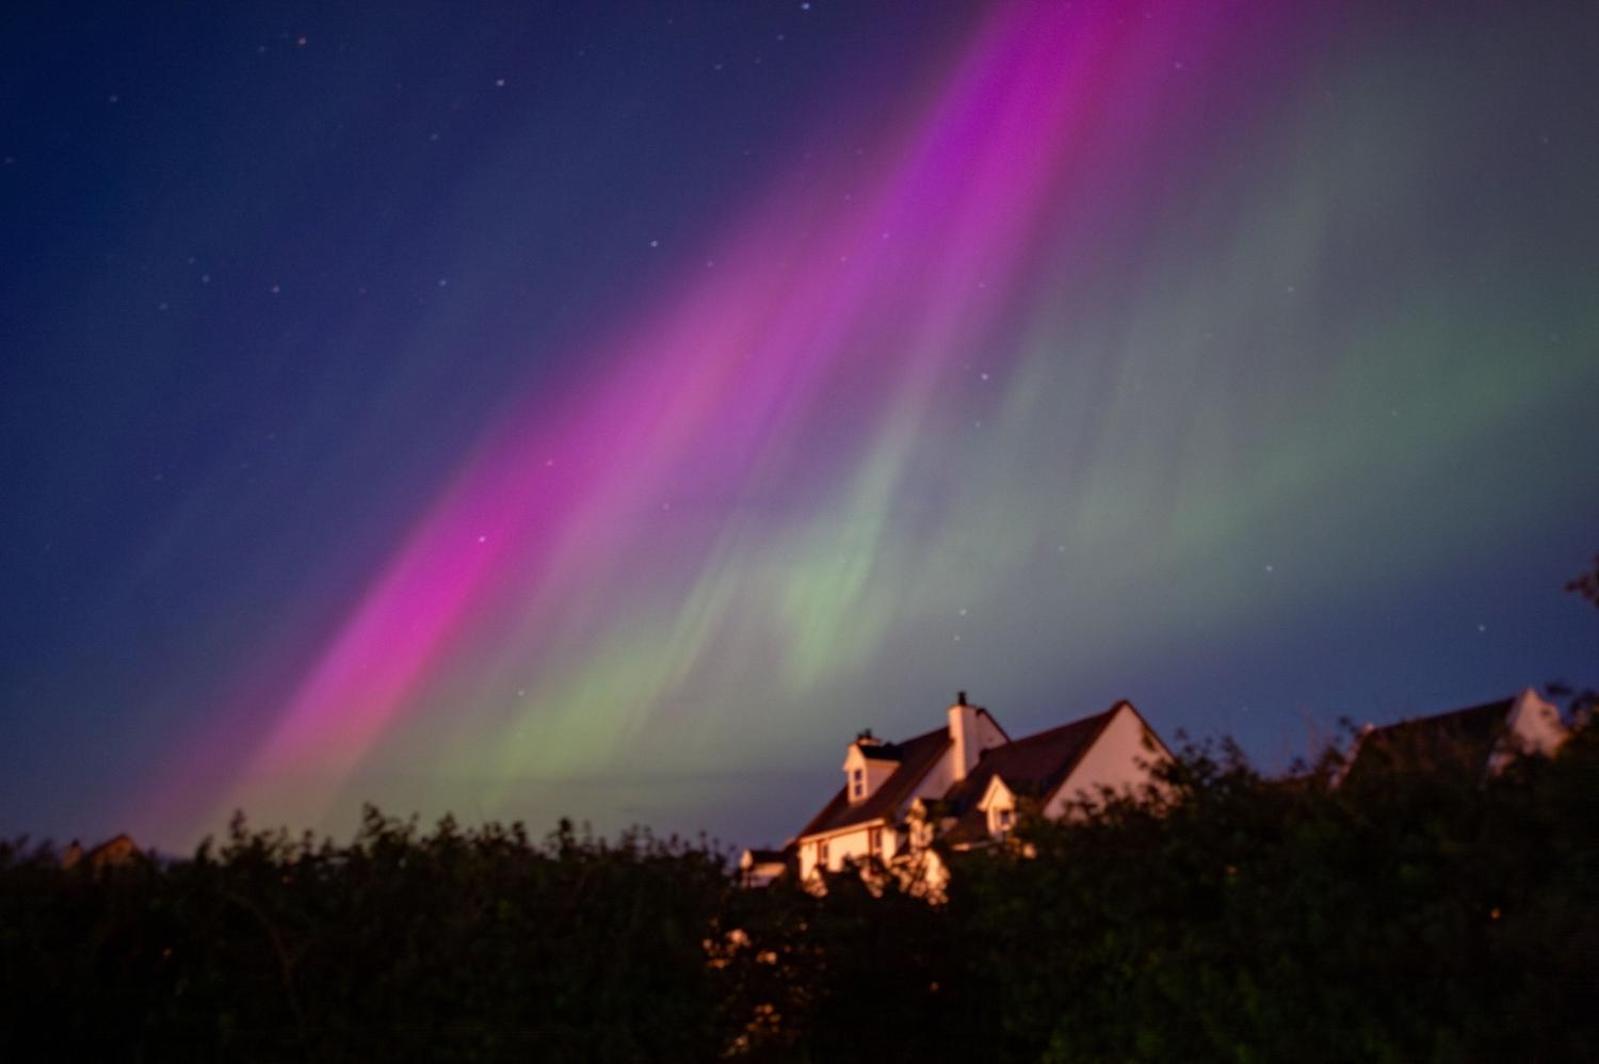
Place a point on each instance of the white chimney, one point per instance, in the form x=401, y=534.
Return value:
x=963, y=731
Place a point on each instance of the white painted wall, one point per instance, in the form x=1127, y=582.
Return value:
x=943, y=775
x=1118, y=759
x=997, y=801
x=972, y=731
x=939, y=779
x=1535, y=728
x=854, y=841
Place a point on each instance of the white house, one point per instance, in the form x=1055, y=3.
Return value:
x=1483, y=739
x=117, y=852
x=961, y=784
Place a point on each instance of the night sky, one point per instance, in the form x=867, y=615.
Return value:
x=607, y=410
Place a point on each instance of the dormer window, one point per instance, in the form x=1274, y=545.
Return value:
x=868, y=764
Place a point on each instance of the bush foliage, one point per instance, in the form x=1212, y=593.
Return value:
x=1223, y=916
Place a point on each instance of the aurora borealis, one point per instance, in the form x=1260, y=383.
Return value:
x=530, y=413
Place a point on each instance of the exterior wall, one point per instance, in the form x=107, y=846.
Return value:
x=1535, y=727
x=972, y=731
x=854, y=841
x=1118, y=759
x=996, y=802
x=939, y=779
x=943, y=775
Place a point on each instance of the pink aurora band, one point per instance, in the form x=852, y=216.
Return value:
x=817, y=330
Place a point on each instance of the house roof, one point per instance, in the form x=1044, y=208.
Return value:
x=1034, y=767
x=916, y=757
x=1461, y=738
x=759, y=857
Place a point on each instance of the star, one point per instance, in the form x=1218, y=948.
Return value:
x=500, y=82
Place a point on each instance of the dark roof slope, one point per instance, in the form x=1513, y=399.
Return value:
x=1034, y=767
x=759, y=857
x=1463, y=738
x=916, y=756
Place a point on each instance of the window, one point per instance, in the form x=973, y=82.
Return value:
x=874, y=841
x=1003, y=819
x=821, y=853
x=857, y=783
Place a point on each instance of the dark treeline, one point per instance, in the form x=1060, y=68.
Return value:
x=1407, y=916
